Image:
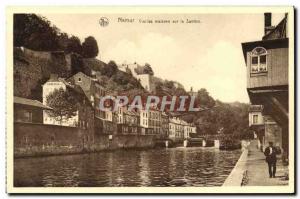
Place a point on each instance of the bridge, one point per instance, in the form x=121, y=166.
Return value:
x=200, y=141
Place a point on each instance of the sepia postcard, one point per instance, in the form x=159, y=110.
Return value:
x=150, y=100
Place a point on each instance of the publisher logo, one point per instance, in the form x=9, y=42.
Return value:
x=103, y=21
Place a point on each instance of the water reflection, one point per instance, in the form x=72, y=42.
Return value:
x=157, y=167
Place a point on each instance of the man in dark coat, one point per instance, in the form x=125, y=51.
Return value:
x=270, y=153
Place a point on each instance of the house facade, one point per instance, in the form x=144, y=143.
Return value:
x=92, y=89
x=151, y=120
x=267, y=82
x=164, y=125
x=176, y=129
x=189, y=130
x=128, y=121
x=28, y=110
x=56, y=83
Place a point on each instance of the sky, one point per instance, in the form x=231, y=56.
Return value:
x=199, y=55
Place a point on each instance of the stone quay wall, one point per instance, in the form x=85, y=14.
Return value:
x=41, y=140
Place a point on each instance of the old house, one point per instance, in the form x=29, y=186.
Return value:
x=86, y=120
x=176, y=129
x=28, y=110
x=189, y=130
x=92, y=89
x=56, y=83
x=84, y=116
x=267, y=63
x=128, y=121
x=150, y=120
x=164, y=125
x=105, y=121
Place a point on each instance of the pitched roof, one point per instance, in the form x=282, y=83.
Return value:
x=30, y=102
x=277, y=38
x=279, y=32
x=85, y=87
x=256, y=108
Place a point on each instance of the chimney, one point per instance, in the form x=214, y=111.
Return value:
x=268, y=22
x=54, y=76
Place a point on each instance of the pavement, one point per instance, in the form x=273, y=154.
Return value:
x=257, y=169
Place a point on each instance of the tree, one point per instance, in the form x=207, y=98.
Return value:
x=89, y=47
x=64, y=104
x=74, y=45
x=63, y=40
x=204, y=99
x=34, y=32
x=148, y=69
x=77, y=64
x=37, y=33
x=110, y=69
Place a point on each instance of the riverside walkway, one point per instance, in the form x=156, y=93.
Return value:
x=252, y=170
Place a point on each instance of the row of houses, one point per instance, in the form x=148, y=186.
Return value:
x=89, y=117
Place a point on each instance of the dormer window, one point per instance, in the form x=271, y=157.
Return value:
x=259, y=60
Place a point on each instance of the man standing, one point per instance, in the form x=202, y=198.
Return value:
x=270, y=153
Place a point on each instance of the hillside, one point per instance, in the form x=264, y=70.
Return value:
x=33, y=68
x=30, y=72
x=110, y=76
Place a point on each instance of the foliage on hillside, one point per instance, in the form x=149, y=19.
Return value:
x=37, y=33
x=231, y=118
x=111, y=77
x=170, y=88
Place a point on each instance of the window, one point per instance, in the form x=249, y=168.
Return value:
x=79, y=79
x=24, y=116
x=258, y=60
x=255, y=119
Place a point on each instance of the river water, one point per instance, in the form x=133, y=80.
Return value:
x=154, y=167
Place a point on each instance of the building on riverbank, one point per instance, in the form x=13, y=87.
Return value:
x=128, y=121
x=33, y=137
x=81, y=119
x=256, y=122
x=189, y=130
x=267, y=80
x=28, y=110
x=150, y=119
x=176, y=129
x=164, y=133
x=56, y=83
x=92, y=89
